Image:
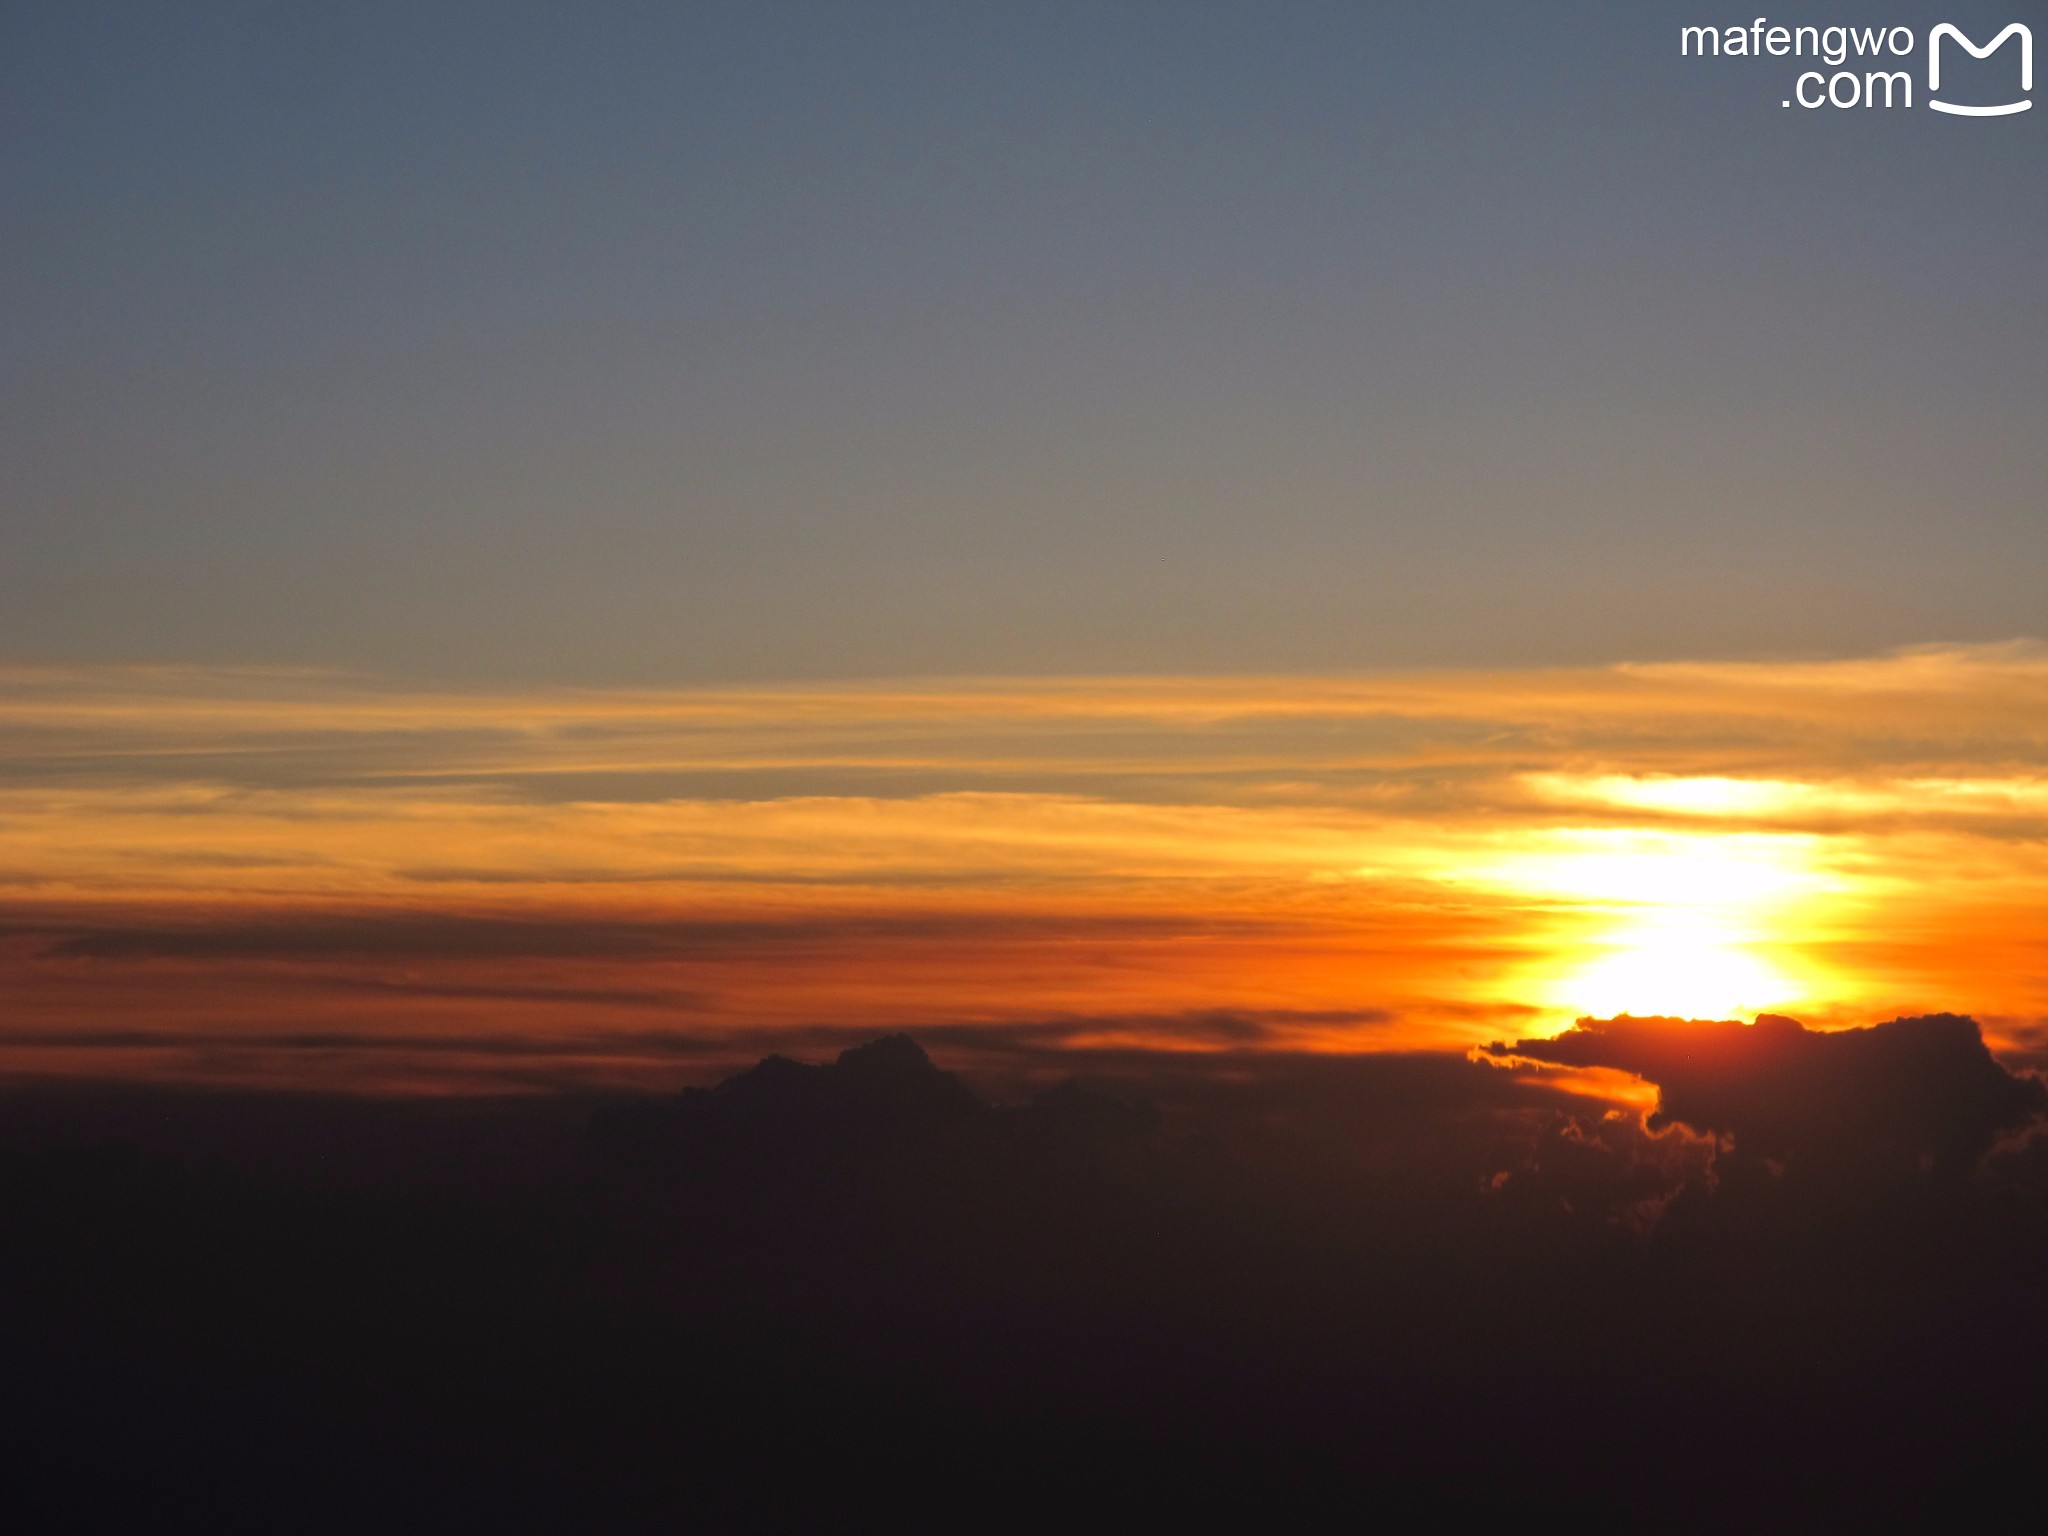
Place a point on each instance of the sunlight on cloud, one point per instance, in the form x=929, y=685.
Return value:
x=1398, y=860
x=1692, y=924
x=1730, y=870
x=1708, y=797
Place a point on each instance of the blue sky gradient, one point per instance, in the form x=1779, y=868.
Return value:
x=686, y=343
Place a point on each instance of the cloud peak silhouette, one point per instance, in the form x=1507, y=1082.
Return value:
x=1924, y=1090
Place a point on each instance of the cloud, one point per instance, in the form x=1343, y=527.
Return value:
x=1213, y=737
x=1911, y=1092
x=514, y=1042
x=457, y=936
x=1419, y=854
x=1385, y=1281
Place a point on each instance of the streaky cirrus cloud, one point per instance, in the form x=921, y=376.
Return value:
x=1395, y=860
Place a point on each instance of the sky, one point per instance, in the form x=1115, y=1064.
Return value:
x=699, y=343
x=289, y=880
x=547, y=544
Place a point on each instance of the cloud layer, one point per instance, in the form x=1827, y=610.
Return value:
x=1385, y=861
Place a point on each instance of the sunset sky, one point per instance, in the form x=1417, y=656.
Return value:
x=543, y=548
x=291, y=876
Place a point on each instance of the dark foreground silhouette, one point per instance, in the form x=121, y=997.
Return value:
x=1810, y=1293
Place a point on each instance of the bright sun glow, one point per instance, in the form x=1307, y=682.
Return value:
x=1677, y=923
x=1674, y=963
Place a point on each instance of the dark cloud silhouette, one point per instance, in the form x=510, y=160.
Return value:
x=868, y=1293
x=1911, y=1092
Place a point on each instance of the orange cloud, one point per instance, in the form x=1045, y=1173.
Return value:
x=305, y=877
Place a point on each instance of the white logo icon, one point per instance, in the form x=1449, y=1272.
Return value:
x=1934, y=68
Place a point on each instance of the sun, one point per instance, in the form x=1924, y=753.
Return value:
x=1675, y=963
x=1686, y=924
